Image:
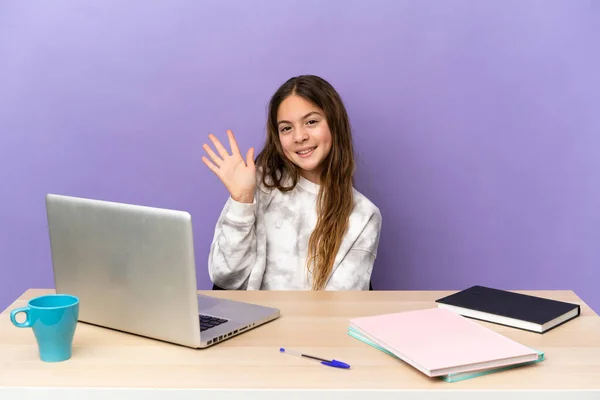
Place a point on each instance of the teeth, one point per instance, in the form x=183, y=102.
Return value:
x=306, y=151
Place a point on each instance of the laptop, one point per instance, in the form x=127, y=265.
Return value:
x=133, y=269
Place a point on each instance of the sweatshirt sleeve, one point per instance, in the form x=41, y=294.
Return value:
x=354, y=271
x=233, y=249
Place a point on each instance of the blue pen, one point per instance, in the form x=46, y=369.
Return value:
x=330, y=363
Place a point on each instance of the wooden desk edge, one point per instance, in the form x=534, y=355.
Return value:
x=51, y=393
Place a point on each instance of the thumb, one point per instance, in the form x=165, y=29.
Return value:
x=250, y=157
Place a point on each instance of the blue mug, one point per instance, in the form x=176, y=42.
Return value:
x=53, y=319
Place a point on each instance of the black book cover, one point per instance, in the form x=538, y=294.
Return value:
x=518, y=306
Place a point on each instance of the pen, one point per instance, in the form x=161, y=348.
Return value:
x=330, y=363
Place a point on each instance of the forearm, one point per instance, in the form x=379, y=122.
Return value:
x=233, y=249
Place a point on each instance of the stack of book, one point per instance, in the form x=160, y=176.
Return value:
x=517, y=310
x=443, y=343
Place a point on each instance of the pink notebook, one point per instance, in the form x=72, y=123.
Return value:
x=438, y=341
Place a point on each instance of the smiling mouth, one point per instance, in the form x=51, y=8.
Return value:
x=305, y=152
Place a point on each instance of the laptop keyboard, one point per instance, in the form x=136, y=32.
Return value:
x=207, y=322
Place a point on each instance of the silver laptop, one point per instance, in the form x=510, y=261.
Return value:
x=133, y=269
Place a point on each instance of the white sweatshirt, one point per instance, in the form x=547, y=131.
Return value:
x=264, y=245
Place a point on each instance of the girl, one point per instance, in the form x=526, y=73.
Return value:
x=293, y=219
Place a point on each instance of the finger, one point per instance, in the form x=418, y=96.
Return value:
x=250, y=157
x=232, y=143
x=222, y=151
x=212, y=155
x=210, y=165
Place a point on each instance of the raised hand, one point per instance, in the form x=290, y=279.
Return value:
x=239, y=177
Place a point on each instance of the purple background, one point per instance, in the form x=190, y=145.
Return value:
x=476, y=124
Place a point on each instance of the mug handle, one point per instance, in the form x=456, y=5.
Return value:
x=13, y=314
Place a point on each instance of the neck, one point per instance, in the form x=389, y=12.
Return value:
x=313, y=176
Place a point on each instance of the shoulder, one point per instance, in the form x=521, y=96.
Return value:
x=365, y=208
x=365, y=224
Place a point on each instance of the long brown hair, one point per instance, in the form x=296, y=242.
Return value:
x=335, y=198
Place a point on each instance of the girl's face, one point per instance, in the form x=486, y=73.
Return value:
x=304, y=135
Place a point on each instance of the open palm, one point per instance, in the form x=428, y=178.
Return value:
x=239, y=177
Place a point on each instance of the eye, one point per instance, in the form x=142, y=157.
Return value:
x=312, y=122
x=284, y=129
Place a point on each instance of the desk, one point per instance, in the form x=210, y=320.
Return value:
x=115, y=365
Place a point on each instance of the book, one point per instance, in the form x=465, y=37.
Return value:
x=438, y=342
x=512, y=309
x=454, y=377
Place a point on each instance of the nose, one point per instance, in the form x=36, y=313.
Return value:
x=300, y=135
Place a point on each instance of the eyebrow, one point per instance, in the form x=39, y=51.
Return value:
x=306, y=116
